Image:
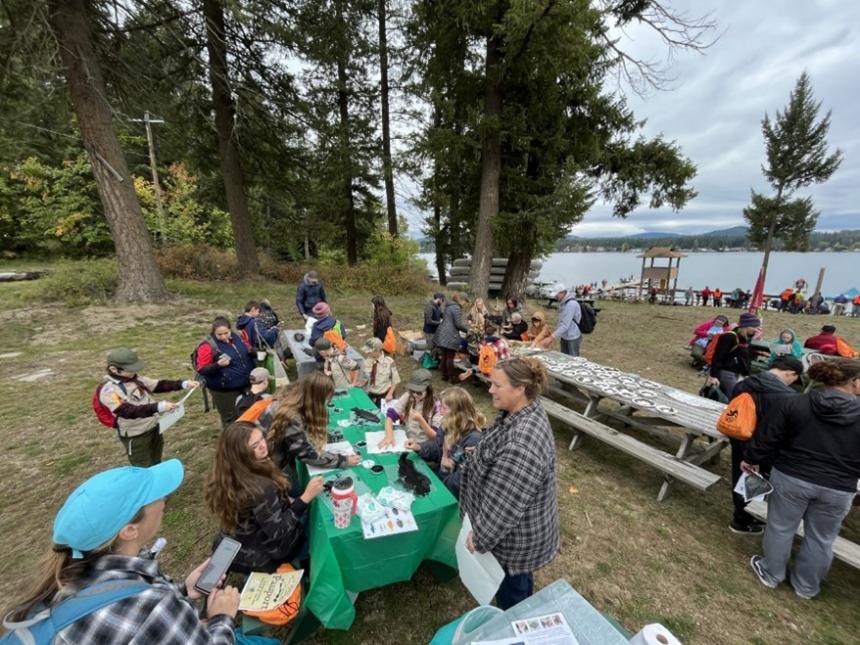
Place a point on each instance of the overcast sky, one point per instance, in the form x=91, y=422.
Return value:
x=717, y=101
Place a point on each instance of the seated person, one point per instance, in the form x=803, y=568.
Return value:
x=336, y=364
x=517, y=328
x=249, y=496
x=257, y=390
x=538, y=330
x=827, y=342
x=380, y=372
x=417, y=411
x=498, y=346
x=257, y=336
x=326, y=325
x=703, y=334
x=786, y=344
x=460, y=433
x=512, y=306
x=298, y=426
x=98, y=535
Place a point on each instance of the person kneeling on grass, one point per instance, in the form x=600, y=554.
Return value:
x=380, y=372
x=98, y=536
x=250, y=497
x=417, y=410
x=460, y=433
x=128, y=395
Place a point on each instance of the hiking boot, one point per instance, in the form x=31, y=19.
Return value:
x=755, y=563
x=753, y=528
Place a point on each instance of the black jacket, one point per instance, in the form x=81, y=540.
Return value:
x=731, y=355
x=766, y=390
x=814, y=437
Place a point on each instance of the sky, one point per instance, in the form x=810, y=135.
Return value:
x=716, y=102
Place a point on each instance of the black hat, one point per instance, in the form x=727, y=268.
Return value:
x=787, y=363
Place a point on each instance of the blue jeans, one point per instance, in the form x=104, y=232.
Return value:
x=822, y=510
x=570, y=347
x=514, y=589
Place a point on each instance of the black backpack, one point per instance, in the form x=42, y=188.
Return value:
x=197, y=376
x=588, y=319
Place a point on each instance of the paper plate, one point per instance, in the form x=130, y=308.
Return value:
x=643, y=403
x=665, y=409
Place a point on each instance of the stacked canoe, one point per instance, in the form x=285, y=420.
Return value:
x=458, y=274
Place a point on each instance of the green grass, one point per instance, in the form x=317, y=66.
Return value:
x=634, y=558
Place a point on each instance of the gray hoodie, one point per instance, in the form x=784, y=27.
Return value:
x=569, y=315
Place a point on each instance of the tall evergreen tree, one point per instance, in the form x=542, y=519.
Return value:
x=797, y=156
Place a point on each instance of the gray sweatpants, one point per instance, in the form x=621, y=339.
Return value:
x=822, y=510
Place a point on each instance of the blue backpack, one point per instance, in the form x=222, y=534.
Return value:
x=44, y=626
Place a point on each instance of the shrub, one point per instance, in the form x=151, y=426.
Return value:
x=198, y=262
x=81, y=283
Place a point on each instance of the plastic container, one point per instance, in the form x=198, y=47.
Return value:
x=344, y=489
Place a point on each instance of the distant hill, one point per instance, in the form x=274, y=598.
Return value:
x=728, y=232
x=650, y=235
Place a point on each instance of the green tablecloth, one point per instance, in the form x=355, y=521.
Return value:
x=343, y=561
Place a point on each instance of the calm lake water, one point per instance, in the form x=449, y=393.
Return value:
x=725, y=270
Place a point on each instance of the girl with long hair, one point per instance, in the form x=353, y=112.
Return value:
x=298, y=428
x=381, y=317
x=460, y=433
x=249, y=496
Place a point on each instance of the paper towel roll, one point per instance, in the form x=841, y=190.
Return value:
x=654, y=634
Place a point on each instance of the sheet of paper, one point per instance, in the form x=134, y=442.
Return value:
x=392, y=523
x=337, y=448
x=373, y=439
x=166, y=420
x=265, y=591
x=516, y=640
x=551, y=629
x=753, y=487
x=481, y=573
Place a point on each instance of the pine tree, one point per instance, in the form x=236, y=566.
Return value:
x=796, y=146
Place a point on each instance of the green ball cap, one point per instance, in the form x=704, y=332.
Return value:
x=125, y=359
x=97, y=509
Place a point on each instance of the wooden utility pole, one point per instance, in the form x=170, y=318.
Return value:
x=147, y=120
x=820, y=282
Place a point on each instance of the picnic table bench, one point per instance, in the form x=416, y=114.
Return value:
x=845, y=550
x=668, y=414
x=303, y=354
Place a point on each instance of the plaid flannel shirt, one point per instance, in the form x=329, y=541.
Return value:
x=162, y=614
x=508, y=490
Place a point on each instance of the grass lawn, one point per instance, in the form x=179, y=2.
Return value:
x=673, y=562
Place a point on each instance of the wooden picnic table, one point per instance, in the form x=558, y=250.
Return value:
x=657, y=409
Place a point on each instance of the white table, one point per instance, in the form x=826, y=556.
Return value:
x=303, y=354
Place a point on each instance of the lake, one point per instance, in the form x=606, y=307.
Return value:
x=725, y=270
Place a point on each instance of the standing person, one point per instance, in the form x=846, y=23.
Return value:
x=128, y=396
x=432, y=319
x=689, y=294
x=448, y=337
x=267, y=318
x=417, y=410
x=257, y=391
x=258, y=337
x=335, y=364
x=310, y=293
x=381, y=317
x=767, y=389
x=380, y=372
x=508, y=484
x=250, y=498
x=460, y=433
x=855, y=306
x=225, y=363
x=813, y=441
x=98, y=535
x=706, y=294
x=327, y=326
x=731, y=359
x=569, y=317
x=718, y=297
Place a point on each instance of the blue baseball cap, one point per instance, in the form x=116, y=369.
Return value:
x=97, y=509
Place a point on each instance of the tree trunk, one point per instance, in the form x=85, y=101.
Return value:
x=139, y=277
x=387, y=165
x=346, y=157
x=491, y=167
x=517, y=272
x=225, y=126
x=771, y=231
x=439, y=243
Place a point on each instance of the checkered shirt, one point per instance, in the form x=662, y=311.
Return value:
x=508, y=490
x=161, y=614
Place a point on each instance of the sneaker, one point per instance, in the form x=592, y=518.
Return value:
x=753, y=528
x=755, y=563
x=802, y=596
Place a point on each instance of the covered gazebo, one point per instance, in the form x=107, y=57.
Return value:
x=660, y=275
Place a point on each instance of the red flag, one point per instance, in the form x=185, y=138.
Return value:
x=757, y=299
